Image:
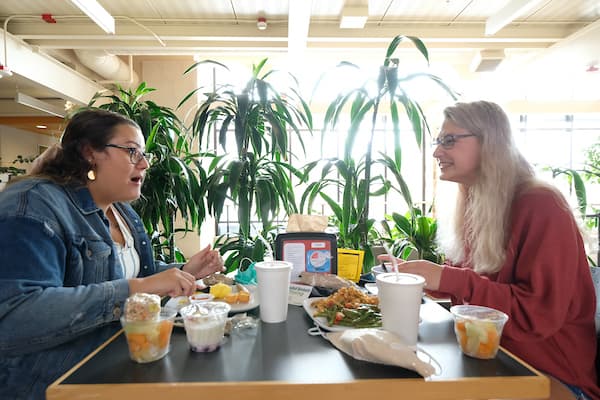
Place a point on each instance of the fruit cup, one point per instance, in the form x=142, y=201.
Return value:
x=149, y=340
x=478, y=330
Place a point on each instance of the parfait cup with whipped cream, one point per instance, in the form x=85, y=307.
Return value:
x=205, y=325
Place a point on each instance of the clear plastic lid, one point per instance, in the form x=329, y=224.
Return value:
x=205, y=310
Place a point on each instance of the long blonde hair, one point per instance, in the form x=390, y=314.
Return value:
x=480, y=222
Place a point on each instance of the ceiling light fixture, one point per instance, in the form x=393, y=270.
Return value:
x=38, y=104
x=354, y=17
x=487, y=60
x=509, y=13
x=97, y=13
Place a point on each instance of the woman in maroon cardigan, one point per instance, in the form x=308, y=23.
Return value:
x=512, y=243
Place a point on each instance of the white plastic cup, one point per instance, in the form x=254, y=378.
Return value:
x=273, y=279
x=400, y=301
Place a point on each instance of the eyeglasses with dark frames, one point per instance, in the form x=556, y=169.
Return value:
x=448, y=141
x=135, y=155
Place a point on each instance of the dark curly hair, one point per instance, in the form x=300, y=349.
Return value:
x=90, y=127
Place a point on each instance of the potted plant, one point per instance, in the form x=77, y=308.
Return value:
x=364, y=107
x=175, y=181
x=347, y=178
x=258, y=177
x=577, y=179
x=6, y=173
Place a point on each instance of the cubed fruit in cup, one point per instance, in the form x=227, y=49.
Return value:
x=149, y=340
x=478, y=330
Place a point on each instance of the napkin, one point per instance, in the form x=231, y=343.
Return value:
x=381, y=347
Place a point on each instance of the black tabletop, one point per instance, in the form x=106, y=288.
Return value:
x=285, y=352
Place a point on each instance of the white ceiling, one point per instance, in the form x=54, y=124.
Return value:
x=558, y=35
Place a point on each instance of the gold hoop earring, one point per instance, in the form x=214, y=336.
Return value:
x=91, y=175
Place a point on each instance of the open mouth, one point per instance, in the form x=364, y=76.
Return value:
x=137, y=179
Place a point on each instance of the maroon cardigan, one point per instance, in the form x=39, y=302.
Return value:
x=544, y=286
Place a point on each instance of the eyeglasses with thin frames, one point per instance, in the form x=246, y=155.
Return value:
x=135, y=156
x=448, y=141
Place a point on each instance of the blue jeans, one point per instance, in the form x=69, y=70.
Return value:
x=579, y=394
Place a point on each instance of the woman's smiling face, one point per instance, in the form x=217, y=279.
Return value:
x=460, y=161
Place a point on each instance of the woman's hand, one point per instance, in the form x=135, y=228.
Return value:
x=40, y=161
x=432, y=272
x=172, y=282
x=204, y=263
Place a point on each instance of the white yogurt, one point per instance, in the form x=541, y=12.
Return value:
x=205, y=325
x=205, y=336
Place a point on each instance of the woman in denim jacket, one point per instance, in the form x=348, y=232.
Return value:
x=72, y=250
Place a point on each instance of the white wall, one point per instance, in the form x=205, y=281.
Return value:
x=15, y=142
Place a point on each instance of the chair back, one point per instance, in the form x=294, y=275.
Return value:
x=596, y=279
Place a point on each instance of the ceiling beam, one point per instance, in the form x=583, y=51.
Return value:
x=508, y=14
x=28, y=63
x=582, y=46
x=278, y=31
x=298, y=25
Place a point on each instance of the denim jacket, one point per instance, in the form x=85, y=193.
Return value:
x=61, y=284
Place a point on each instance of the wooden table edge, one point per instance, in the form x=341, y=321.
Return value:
x=534, y=387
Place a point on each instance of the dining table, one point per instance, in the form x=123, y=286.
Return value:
x=283, y=361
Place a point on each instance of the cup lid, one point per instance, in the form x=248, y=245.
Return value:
x=481, y=313
x=205, y=309
x=275, y=264
x=400, y=278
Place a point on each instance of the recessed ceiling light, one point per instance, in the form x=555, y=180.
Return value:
x=354, y=17
x=41, y=126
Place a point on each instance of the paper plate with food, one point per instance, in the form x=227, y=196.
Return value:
x=239, y=297
x=348, y=308
x=219, y=287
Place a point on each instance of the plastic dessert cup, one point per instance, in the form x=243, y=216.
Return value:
x=204, y=324
x=478, y=330
x=149, y=340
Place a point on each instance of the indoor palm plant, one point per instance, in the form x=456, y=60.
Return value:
x=412, y=236
x=577, y=179
x=361, y=105
x=258, y=178
x=175, y=180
